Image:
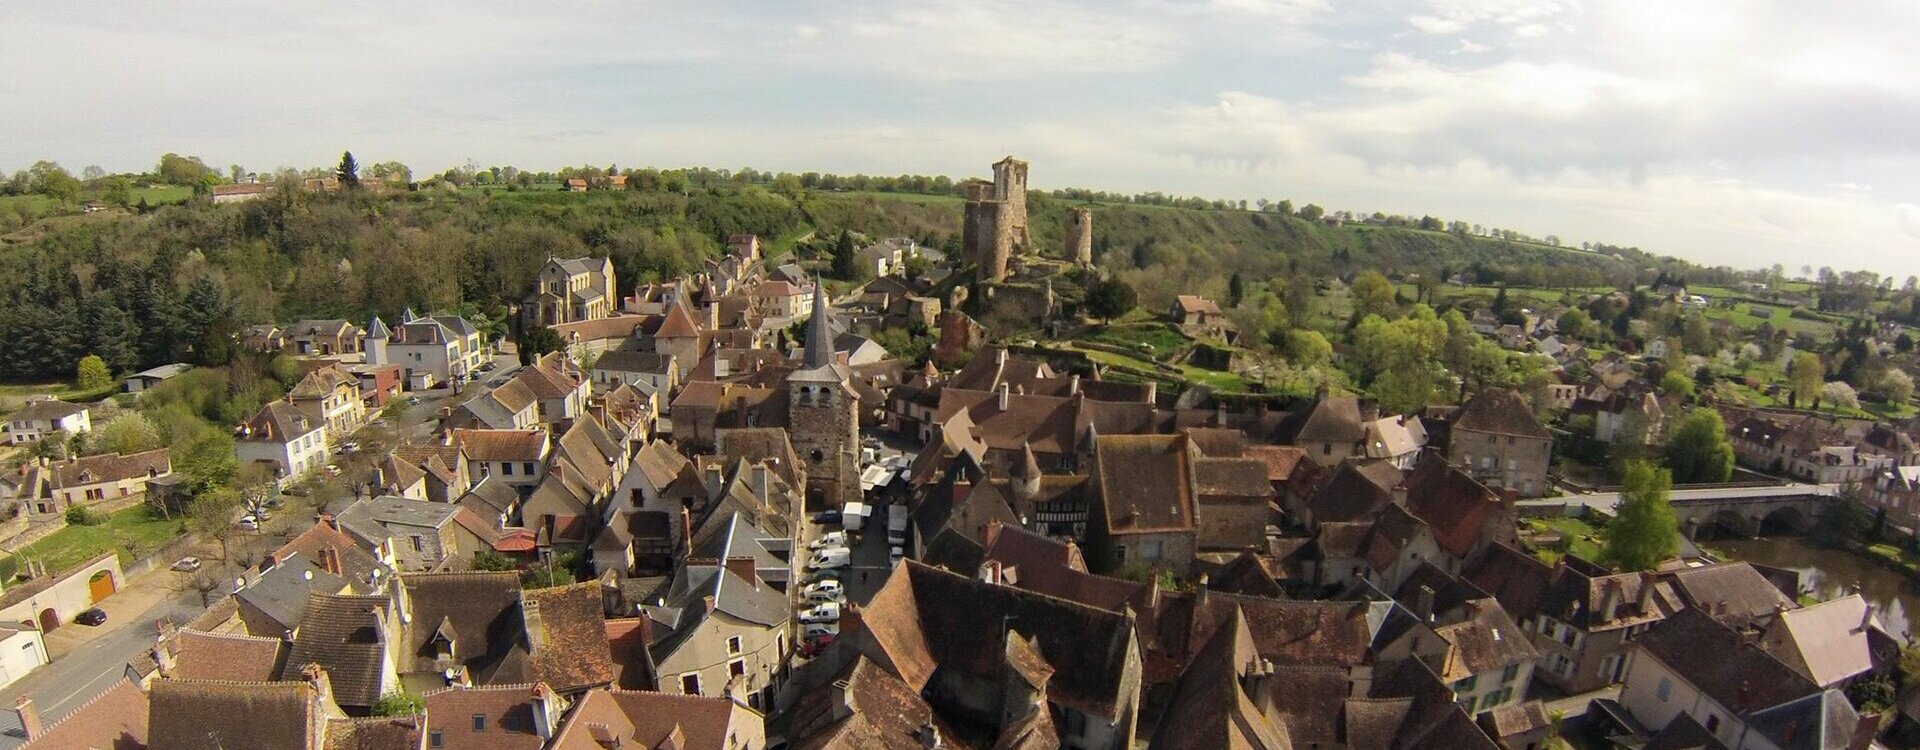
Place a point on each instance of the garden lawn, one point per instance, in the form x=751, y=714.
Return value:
x=1160, y=337
x=1583, y=539
x=134, y=532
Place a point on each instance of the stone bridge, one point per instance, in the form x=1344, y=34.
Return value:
x=1744, y=510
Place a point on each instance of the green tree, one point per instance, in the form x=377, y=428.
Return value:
x=1676, y=383
x=1236, y=289
x=92, y=374
x=1645, y=532
x=1698, y=451
x=1311, y=212
x=538, y=340
x=1110, y=298
x=841, y=263
x=186, y=171
x=130, y=432
x=1575, y=323
x=348, y=171
x=399, y=703
x=487, y=559
x=1308, y=348
x=1373, y=294
x=1805, y=374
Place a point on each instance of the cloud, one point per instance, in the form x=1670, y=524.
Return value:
x=1907, y=215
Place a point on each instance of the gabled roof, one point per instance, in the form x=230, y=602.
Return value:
x=117, y=718
x=1210, y=708
x=109, y=467
x=479, y=609
x=649, y=720
x=678, y=323
x=283, y=591
x=1500, y=411
x=345, y=636
x=278, y=422
x=569, y=648
x=1828, y=642
x=887, y=713
x=502, y=445
x=1356, y=490
x=1455, y=505
x=321, y=382
x=225, y=657
x=205, y=715
x=1328, y=419
x=322, y=541
x=1518, y=580
x=1146, y=483
x=1731, y=592
x=1717, y=660
x=1488, y=639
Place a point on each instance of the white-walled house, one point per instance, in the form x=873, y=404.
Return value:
x=45, y=416
x=284, y=438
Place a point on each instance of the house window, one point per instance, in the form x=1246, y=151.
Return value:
x=506, y=469
x=1512, y=671
x=1665, y=690
x=736, y=668
x=1713, y=723
x=527, y=468
x=419, y=544
x=1465, y=685
x=436, y=739
x=479, y=722
x=1150, y=550
x=690, y=683
x=1326, y=449
x=733, y=646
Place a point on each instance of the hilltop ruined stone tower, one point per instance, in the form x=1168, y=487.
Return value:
x=1080, y=236
x=995, y=226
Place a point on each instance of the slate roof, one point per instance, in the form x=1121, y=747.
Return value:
x=1357, y=490
x=1728, y=668
x=1828, y=642
x=1733, y=592
x=46, y=409
x=283, y=591
x=343, y=635
x=1501, y=412
x=373, y=518
x=1684, y=733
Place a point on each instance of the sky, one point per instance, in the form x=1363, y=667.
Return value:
x=1726, y=132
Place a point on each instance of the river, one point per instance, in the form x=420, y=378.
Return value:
x=1829, y=573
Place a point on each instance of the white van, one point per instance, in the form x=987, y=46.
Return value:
x=831, y=557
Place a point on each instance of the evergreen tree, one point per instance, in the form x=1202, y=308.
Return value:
x=1236, y=289
x=1110, y=298
x=842, y=262
x=349, y=171
x=1646, y=531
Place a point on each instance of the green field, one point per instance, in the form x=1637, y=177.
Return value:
x=1159, y=339
x=134, y=532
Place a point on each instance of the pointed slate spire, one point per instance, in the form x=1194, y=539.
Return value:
x=819, y=339
x=378, y=329
x=408, y=316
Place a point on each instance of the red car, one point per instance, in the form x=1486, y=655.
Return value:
x=813, y=647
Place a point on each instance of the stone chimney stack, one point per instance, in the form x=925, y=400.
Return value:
x=1003, y=391
x=316, y=678
x=546, y=711
x=29, y=717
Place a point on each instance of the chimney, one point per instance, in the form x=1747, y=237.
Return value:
x=686, y=527
x=546, y=711
x=446, y=438
x=1423, y=603
x=1000, y=356
x=29, y=717
x=715, y=480
x=842, y=699
x=1003, y=395
x=758, y=478
x=1073, y=385
x=1644, y=602
x=162, y=657
x=743, y=567
x=1866, y=615
x=1609, y=593
x=1220, y=414
x=536, y=624
x=330, y=560
x=316, y=678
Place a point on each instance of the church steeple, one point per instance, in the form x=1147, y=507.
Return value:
x=819, y=340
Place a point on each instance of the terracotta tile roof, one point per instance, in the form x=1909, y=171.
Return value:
x=1489, y=639
x=1146, y=483
x=627, y=638
x=226, y=657
x=1278, y=459
x=601, y=329
x=649, y=720
x=508, y=722
x=569, y=649
x=322, y=541
x=1518, y=580
x=1232, y=477
x=203, y=715
x=547, y=380
x=116, y=718
x=1193, y=303
x=887, y=713
x=1036, y=563
x=1501, y=412
x=924, y=619
x=502, y=445
x=110, y=467
x=1358, y=489
x=1459, y=509
x=321, y=383
x=678, y=324
x=1218, y=442
x=279, y=422
x=1328, y=419
x=376, y=733
x=1579, y=594
x=1210, y=707
x=476, y=610
x=342, y=634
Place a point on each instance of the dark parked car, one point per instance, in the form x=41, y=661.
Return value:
x=827, y=517
x=95, y=616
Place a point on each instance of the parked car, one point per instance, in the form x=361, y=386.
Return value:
x=823, y=612
x=249, y=523
x=825, y=591
x=829, y=539
x=186, y=564
x=894, y=555
x=827, y=518
x=349, y=447
x=825, y=575
x=92, y=617
x=820, y=629
x=815, y=645
x=413, y=400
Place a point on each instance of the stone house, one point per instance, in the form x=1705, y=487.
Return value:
x=655, y=371
x=511, y=406
x=557, y=384
x=1144, y=511
x=1497, y=439
x=1587, y=619
x=572, y=289
x=50, y=487
x=720, y=631
x=1330, y=429
x=431, y=351
x=330, y=396
x=421, y=534
x=46, y=416
x=1631, y=415
x=515, y=457
x=1488, y=661
x=784, y=300
x=322, y=338
x=1691, y=668
x=658, y=720
x=1193, y=311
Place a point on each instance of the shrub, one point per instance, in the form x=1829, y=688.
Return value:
x=78, y=515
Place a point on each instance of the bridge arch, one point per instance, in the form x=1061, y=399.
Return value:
x=1785, y=519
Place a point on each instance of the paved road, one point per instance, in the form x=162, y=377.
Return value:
x=95, y=659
